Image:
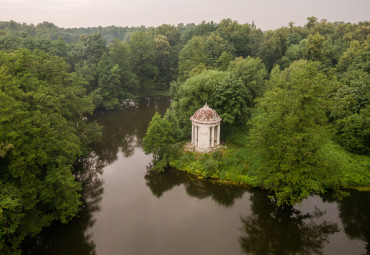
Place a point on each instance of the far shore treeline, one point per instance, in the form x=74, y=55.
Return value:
x=294, y=103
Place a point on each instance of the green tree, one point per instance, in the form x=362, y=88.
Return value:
x=229, y=99
x=315, y=49
x=191, y=56
x=158, y=137
x=215, y=45
x=85, y=56
x=4, y=147
x=311, y=22
x=223, y=91
x=120, y=55
x=10, y=42
x=239, y=36
x=349, y=56
x=351, y=111
x=358, y=32
x=290, y=132
x=142, y=58
x=353, y=131
x=202, y=29
x=91, y=47
x=350, y=102
x=110, y=90
x=223, y=62
x=253, y=74
x=163, y=62
x=44, y=129
x=10, y=218
x=294, y=52
x=256, y=39
x=273, y=47
x=171, y=32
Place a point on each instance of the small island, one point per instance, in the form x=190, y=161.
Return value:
x=279, y=132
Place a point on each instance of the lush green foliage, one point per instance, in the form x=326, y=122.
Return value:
x=229, y=93
x=273, y=47
x=311, y=123
x=290, y=132
x=223, y=91
x=303, y=110
x=350, y=109
x=253, y=74
x=142, y=47
x=192, y=57
x=241, y=165
x=43, y=131
x=150, y=58
x=158, y=136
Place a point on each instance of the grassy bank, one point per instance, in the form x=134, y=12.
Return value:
x=354, y=168
x=238, y=165
x=235, y=165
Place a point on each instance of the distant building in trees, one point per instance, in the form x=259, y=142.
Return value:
x=205, y=129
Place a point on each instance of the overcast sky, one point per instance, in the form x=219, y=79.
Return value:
x=267, y=14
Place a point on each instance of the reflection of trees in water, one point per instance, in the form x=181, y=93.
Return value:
x=354, y=211
x=355, y=214
x=274, y=230
x=74, y=237
x=269, y=229
x=124, y=130
x=222, y=194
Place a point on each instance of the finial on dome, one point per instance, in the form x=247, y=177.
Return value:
x=206, y=105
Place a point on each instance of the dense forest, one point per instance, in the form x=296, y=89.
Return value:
x=294, y=103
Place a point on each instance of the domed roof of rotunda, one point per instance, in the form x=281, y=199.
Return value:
x=206, y=115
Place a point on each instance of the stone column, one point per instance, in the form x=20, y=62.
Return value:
x=196, y=135
x=218, y=134
x=192, y=133
x=212, y=136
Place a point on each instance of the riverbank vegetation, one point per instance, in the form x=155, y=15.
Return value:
x=288, y=145
x=43, y=131
x=294, y=103
x=308, y=91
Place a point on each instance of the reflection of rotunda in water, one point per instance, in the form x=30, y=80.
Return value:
x=205, y=129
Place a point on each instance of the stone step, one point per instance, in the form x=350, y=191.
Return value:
x=191, y=147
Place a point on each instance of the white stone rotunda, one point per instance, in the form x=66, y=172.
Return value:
x=205, y=129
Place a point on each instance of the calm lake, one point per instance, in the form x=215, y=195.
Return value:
x=129, y=210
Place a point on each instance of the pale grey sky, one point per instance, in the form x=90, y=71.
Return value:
x=267, y=14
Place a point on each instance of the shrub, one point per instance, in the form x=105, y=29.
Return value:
x=242, y=154
x=210, y=167
x=217, y=155
x=187, y=158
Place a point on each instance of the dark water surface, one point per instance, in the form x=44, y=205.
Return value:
x=129, y=210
